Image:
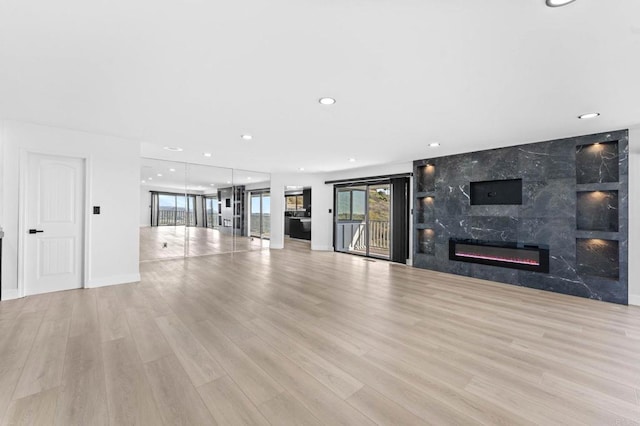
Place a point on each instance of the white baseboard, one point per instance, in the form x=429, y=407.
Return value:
x=117, y=279
x=321, y=248
x=409, y=262
x=634, y=299
x=10, y=293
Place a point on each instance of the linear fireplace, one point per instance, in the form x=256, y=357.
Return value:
x=530, y=257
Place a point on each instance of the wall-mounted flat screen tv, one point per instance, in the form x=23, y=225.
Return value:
x=501, y=192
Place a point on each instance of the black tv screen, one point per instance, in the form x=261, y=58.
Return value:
x=496, y=192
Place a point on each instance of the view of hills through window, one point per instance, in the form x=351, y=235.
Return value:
x=352, y=203
x=176, y=210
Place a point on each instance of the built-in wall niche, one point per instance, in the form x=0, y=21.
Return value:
x=597, y=211
x=598, y=257
x=425, y=210
x=597, y=163
x=426, y=241
x=426, y=178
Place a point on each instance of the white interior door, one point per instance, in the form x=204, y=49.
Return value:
x=55, y=224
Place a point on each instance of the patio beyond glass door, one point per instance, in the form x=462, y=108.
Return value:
x=260, y=215
x=363, y=220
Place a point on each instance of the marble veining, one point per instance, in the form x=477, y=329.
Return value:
x=597, y=162
x=575, y=200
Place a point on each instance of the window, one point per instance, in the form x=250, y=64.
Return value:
x=351, y=204
x=211, y=212
x=295, y=203
x=176, y=210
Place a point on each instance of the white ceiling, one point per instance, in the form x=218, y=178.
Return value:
x=197, y=74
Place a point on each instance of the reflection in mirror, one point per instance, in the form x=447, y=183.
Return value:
x=212, y=233
x=165, y=209
x=198, y=210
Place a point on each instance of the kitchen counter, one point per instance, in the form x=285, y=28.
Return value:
x=300, y=227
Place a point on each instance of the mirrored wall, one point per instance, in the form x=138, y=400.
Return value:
x=196, y=210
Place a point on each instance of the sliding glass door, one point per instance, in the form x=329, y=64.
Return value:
x=175, y=210
x=379, y=220
x=260, y=215
x=211, y=212
x=363, y=220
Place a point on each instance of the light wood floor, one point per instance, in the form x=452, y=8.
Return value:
x=290, y=336
x=192, y=241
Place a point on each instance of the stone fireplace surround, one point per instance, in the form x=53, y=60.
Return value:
x=574, y=200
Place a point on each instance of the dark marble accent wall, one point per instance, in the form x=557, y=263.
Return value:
x=575, y=200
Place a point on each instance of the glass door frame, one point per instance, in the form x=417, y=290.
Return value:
x=260, y=194
x=213, y=223
x=367, y=185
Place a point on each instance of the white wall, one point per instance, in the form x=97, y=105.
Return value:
x=634, y=215
x=382, y=170
x=113, y=176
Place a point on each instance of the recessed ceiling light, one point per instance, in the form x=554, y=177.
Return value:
x=558, y=3
x=150, y=179
x=173, y=148
x=327, y=101
x=588, y=115
x=172, y=170
x=249, y=178
x=212, y=184
x=352, y=160
x=434, y=144
x=246, y=137
x=206, y=154
x=301, y=169
x=144, y=181
x=228, y=181
x=159, y=175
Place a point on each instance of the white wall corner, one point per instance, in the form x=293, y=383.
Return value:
x=114, y=280
x=634, y=299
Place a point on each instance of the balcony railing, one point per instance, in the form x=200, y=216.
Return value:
x=379, y=234
x=172, y=217
x=351, y=236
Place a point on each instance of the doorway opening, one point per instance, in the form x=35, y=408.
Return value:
x=297, y=214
